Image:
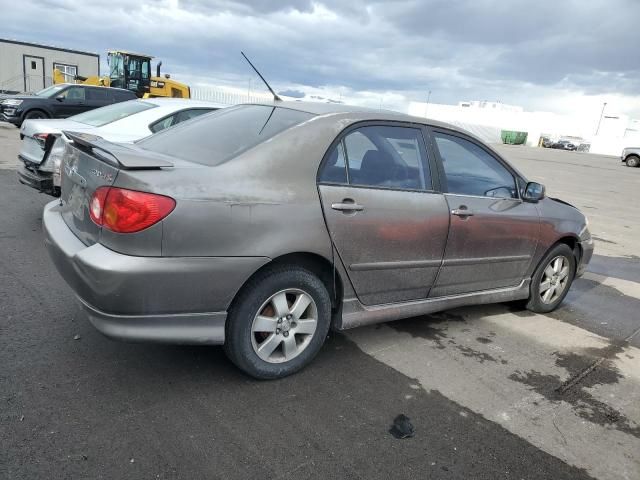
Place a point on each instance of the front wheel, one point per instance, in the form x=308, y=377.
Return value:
x=633, y=161
x=552, y=279
x=34, y=114
x=278, y=323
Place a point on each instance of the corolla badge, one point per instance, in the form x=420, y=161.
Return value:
x=107, y=177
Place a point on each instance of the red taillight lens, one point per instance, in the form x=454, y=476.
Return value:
x=41, y=138
x=128, y=211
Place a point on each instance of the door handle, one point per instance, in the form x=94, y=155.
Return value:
x=347, y=206
x=462, y=212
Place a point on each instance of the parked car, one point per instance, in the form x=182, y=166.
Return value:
x=261, y=226
x=59, y=101
x=546, y=142
x=631, y=156
x=564, y=145
x=41, y=150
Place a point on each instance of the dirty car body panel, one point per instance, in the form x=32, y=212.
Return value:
x=262, y=199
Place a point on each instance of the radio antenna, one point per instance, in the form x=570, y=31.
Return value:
x=275, y=95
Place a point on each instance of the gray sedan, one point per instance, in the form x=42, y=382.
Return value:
x=262, y=226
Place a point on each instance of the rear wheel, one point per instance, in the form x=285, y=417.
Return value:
x=278, y=323
x=552, y=279
x=632, y=161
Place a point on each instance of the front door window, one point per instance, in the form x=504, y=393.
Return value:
x=471, y=170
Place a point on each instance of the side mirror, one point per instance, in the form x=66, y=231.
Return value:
x=60, y=98
x=533, y=192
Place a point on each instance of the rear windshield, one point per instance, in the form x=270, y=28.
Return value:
x=215, y=138
x=111, y=113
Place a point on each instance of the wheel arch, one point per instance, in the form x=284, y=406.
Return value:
x=317, y=264
x=36, y=109
x=572, y=241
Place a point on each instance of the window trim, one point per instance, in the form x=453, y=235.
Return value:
x=432, y=130
x=429, y=162
x=162, y=119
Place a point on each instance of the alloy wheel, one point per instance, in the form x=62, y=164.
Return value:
x=284, y=326
x=554, y=279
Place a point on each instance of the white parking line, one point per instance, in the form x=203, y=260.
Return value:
x=626, y=287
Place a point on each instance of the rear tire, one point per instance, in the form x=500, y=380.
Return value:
x=552, y=279
x=633, y=161
x=270, y=332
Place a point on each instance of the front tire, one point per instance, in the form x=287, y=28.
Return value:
x=278, y=322
x=33, y=114
x=552, y=279
x=633, y=161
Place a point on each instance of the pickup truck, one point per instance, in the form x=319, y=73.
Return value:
x=631, y=156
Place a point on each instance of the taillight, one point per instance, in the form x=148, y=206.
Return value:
x=128, y=211
x=41, y=138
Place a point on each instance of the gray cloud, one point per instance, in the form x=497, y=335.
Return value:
x=481, y=49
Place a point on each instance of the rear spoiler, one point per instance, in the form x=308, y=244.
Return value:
x=124, y=156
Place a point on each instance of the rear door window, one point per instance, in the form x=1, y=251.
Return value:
x=334, y=169
x=384, y=157
x=216, y=138
x=98, y=95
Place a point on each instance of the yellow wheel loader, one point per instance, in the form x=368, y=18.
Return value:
x=131, y=71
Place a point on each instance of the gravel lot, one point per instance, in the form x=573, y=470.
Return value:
x=493, y=392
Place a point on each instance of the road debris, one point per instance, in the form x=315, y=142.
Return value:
x=402, y=427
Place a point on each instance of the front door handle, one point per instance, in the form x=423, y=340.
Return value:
x=347, y=206
x=462, y=212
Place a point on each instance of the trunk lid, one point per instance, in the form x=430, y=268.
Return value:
x=33, y=150
x=88, y=164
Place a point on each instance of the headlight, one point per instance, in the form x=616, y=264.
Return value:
x=12, y=102
x=54, y=159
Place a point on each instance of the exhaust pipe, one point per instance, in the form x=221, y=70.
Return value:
x=158, y=68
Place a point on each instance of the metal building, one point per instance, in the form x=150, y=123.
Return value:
x=28, y=67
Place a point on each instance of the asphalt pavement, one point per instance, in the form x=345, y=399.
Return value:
x=493, y=392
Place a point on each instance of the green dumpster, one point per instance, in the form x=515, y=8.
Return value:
x=511, y=137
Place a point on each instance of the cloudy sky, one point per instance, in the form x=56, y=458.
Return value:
x=557, y=55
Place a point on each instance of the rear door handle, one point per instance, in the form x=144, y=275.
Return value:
x=462, y=212
x=347, y=207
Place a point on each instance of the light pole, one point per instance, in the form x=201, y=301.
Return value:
x=600, y=119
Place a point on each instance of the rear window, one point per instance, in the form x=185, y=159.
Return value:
x=216, y=138
x=111, y=113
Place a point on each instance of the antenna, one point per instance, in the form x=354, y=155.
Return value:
x=275, y=95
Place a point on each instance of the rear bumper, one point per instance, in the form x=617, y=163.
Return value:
x=156, y=299
x=190, y=328
x=37, y=180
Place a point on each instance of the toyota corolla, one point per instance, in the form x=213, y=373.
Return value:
x=261, y=227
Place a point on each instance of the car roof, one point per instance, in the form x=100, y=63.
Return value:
x=186, y=102
x=84, y=85
x=318, y=108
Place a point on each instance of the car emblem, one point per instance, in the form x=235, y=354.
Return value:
x=107, y=177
